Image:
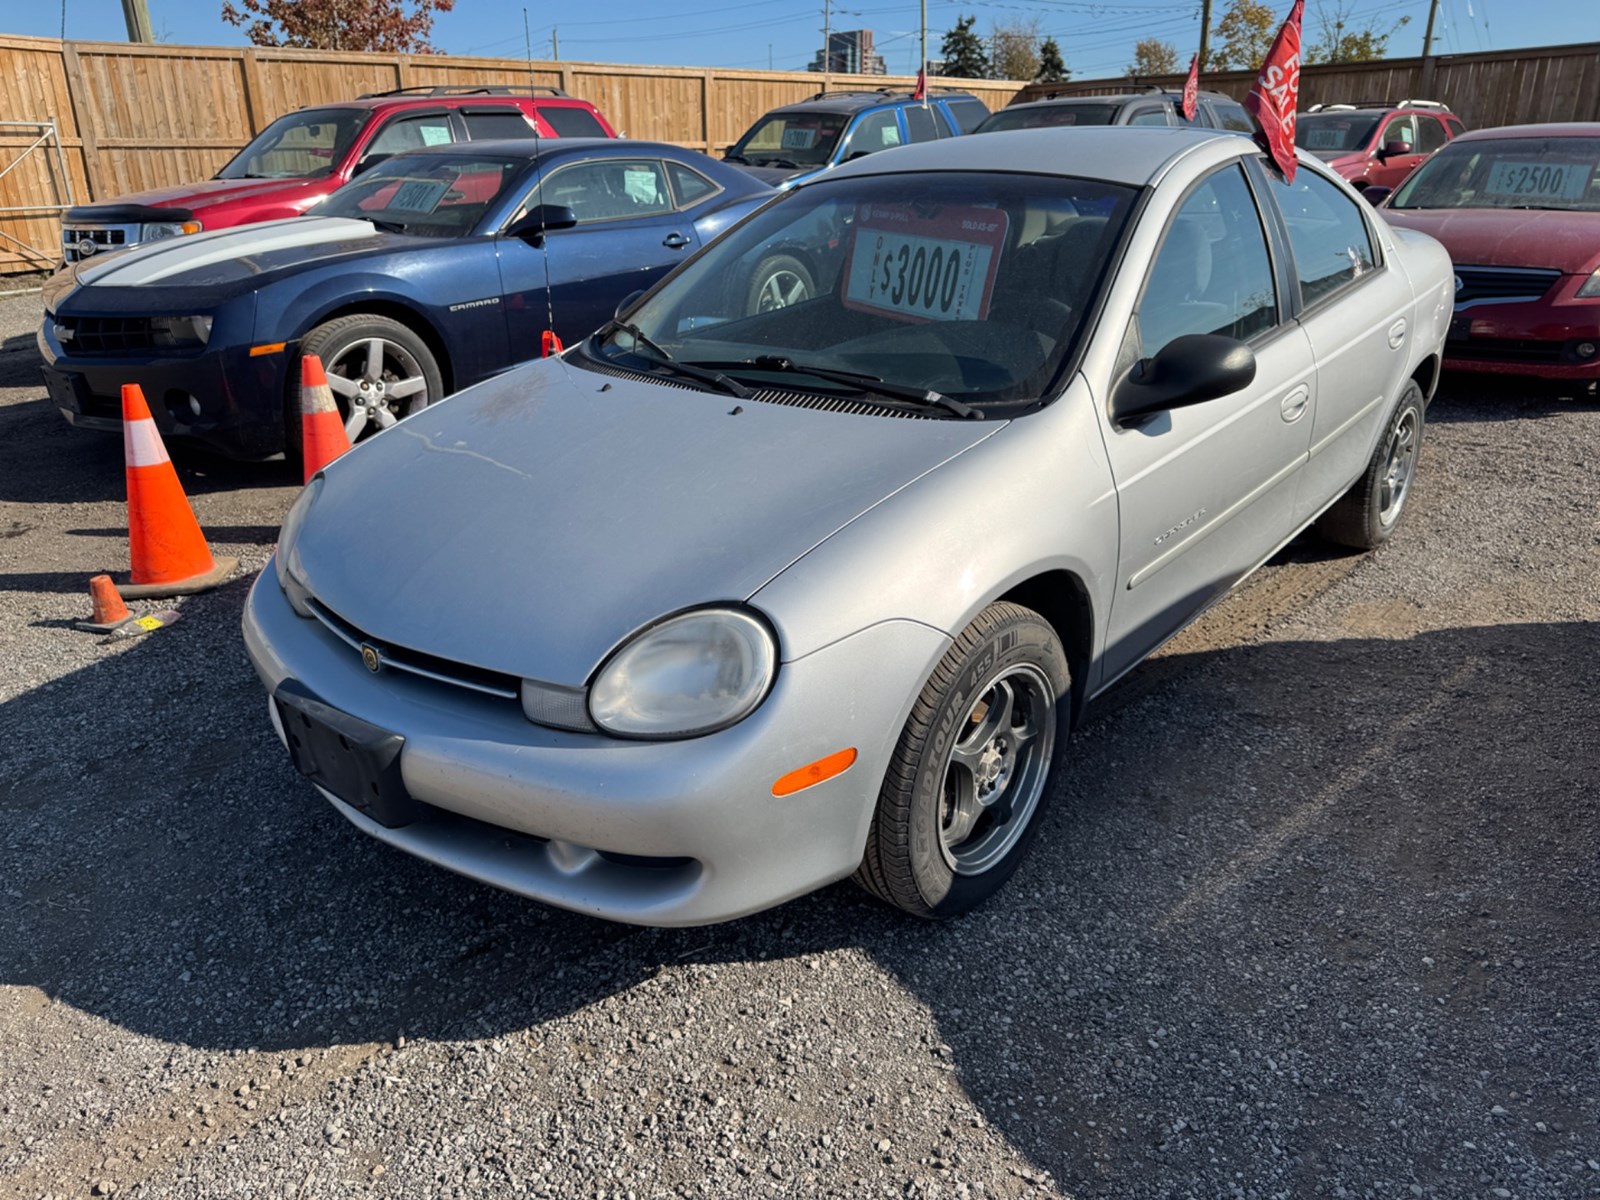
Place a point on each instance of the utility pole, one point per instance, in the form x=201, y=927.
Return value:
x=1426, y=87
x=923, y=64
x=555, y=43
x=137, y=14
x=1205, y=31
x=827, y=41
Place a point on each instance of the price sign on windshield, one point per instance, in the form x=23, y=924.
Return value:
x=1554, y=180
x=921, y=267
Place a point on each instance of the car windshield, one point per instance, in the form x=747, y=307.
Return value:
x=1529, y=172
x=302, y=145
x=1047, y=115
x=1334, y=133
x=970, y=285
x=432, y=195
x=790, y=139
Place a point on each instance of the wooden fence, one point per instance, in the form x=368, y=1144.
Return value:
x=1508, y=87
x=131, y=117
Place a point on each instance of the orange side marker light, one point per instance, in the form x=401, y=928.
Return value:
x=814, y=773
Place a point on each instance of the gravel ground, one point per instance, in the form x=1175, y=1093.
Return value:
x=1314, y=913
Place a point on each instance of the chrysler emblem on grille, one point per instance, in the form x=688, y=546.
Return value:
x=371, y=658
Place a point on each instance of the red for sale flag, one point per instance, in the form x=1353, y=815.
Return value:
x=1276, y=91
x=921, y=90
x=1191, y=89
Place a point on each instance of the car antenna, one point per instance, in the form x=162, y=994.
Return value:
x=550, y=343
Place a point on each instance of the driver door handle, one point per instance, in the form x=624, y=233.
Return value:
x=675, y=241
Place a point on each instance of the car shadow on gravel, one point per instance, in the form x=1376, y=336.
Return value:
x=1462, y=398
x=1299, y=893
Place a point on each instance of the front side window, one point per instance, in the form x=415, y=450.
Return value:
x=1399, y=129
x=302, y=145
x=1533, y=172
x=1212, y=273
x=411, y=133
x=790, y=139
x=873, y=132
x=1330, y=238
x=428, y=195
x=971, y=285
x=609, y=189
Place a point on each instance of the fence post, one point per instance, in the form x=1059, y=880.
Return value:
x=705, y=109
x=80, y=115
x=253, y=98
x=402, y=70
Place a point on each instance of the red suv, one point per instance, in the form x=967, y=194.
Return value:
x=1376, y=145
x=301, y=157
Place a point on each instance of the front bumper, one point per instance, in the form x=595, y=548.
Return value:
x=1538, y=339
x=653, y=833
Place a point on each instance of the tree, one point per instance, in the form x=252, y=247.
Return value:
x=1243, y=37
x=963, y=51
x=394, y=26
x=1014, y=49
x=1340, y=39
x=1051, y=68
x=1153, y=57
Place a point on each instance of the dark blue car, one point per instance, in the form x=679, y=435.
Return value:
x=430, y=272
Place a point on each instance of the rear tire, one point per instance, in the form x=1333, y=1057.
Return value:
x=778, y=282
x=1368, y=514
x=961, y=801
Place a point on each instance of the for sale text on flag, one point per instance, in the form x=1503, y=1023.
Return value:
x=1276, y=92
x=916, y=265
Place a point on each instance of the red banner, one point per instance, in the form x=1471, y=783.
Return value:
x=1276, y=91
x=1191, y=89
x=921, y=92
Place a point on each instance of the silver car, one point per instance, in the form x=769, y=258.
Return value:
x=752, y=592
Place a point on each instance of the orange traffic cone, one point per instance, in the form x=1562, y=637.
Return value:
x=169, y=553
x=109, y=611
x=322, y=435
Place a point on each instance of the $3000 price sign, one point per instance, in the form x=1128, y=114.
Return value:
x=925, y=268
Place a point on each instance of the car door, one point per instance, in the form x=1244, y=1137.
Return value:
x=1389, y=169
x=869, y=133
x=1206, y=492
x=630, y=232
x=405, y=132
x=922, y=123
x=1354, y=307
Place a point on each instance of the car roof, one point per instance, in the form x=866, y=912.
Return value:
x=1114, y=153
x=1115, y=98
x=849, y=102
x=1554, y=129
x=531, y=148
x=453, y=100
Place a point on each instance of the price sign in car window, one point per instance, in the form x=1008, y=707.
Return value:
x=1558, y=181
x=924, y=267
x=418, y=195
x=1327, y=135
x=801, y=138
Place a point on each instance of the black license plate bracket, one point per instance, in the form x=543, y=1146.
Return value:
x=355, y=760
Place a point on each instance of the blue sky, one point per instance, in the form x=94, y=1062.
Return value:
x=1096, y=38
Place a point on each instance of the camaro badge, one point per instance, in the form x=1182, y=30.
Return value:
x=371, y=658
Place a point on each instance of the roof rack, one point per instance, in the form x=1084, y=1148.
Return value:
x=461, y=89
x=1423, y=104
x=885, y=93
x=1350, y=107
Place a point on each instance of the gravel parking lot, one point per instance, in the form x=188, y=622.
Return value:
x=1314, y=914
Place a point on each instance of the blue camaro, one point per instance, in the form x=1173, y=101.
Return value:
x=432, y=271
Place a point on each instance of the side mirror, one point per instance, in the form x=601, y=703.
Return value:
x=540, y=220
x=1187, y=370
x=627, y=302
x=1394, y=149
x=1376, y=195
x=855, y=154
x=370, y=161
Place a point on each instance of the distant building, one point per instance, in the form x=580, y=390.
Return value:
x=850, y=53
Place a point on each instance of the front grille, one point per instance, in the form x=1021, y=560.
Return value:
x=103, y=240
x=815, y=400
x=105, y=335
x=1503, y=284
x=440, y=670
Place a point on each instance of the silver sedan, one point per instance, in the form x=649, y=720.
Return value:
x=757, y=588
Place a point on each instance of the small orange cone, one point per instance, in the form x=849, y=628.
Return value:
x=168, y=551
x=109, y=611
x=322, y=434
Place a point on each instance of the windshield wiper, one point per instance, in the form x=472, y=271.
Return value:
x=735, y=158
x=386, y=226
x=863, y=383
x=669, y=365
x=780, y=162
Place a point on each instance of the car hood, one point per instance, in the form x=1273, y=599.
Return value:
x=532, y=523
x=197, y=197
x=245, y=253
x=1564, y=241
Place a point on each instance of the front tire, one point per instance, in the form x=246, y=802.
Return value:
x=1367, y=515
x=961, y=802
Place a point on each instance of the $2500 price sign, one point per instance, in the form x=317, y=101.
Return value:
x=925, y=268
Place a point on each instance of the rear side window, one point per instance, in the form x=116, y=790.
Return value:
x=571, y=122
x=1228, y=115
x=969, y=114
x=1149, y=116
x=1332, y=244
x=487, y=123
x=1456, y=127
x=691, y=186
x=920, y=123
x=1430, y=135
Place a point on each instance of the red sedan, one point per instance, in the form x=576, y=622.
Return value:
x=1519, y=211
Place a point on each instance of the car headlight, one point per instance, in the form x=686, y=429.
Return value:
x=180, y=331
x=156, y=230
x=286, y=560
x=691, y=674
x=1591, y=287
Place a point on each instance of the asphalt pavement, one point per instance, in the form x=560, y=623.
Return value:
x=1313, y=913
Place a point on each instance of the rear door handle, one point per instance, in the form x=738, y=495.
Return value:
x=675, y=241
x=1397, y=334
x=1293, y=406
